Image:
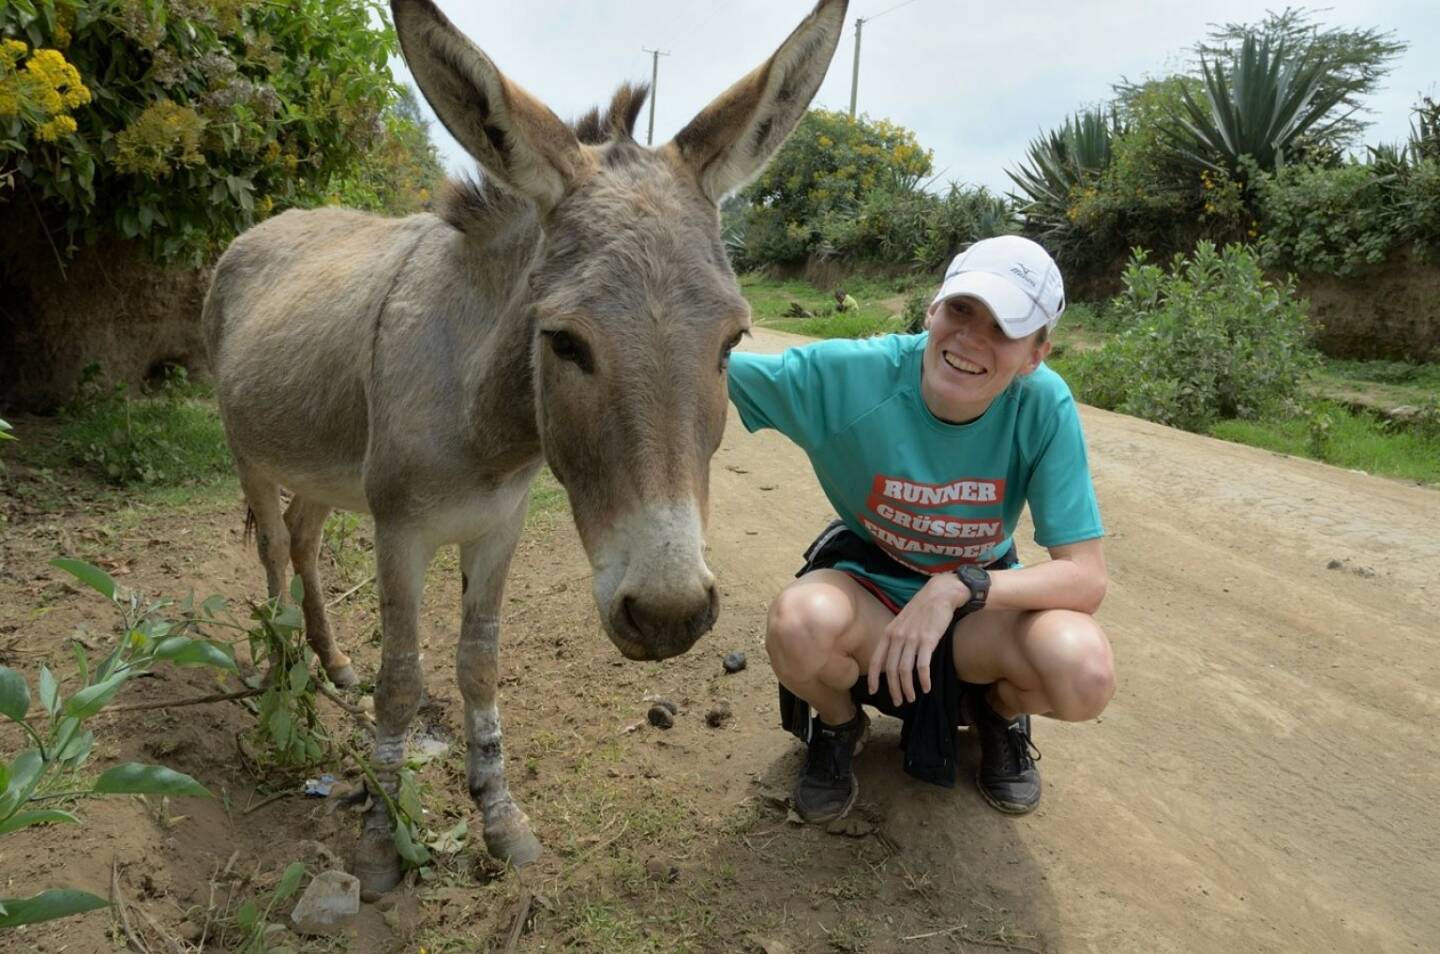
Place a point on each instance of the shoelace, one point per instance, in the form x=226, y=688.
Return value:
x=826, y=756
x=1020, y=748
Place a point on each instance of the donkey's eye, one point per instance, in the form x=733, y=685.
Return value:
x=569, y=348
x=730, y=346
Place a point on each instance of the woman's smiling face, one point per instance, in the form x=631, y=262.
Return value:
x=969, y=360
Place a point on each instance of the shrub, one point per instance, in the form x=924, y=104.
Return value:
x=182, y=123
x=1062, y=165
x=1327, y=220
x=913, y=227
x=828, y=165
x=1416, y=205
x=1210, y=338
x=957, y=219
x=916, y=308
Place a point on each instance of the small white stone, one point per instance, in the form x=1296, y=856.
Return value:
x=328, y=902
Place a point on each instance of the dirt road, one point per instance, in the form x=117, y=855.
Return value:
x=1265, y=780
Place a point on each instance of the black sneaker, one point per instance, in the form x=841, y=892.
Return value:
x=829, y=787
x=1007, y=776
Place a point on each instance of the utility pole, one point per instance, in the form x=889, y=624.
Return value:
x=654, y=80
x=855, y=75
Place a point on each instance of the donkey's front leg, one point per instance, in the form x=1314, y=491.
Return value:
x=400, y=561
x=484, y=564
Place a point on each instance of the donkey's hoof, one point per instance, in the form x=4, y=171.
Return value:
x=377, y=864
x=344, y=677
x=513, y=843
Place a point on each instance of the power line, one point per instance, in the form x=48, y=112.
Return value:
x=891, y=10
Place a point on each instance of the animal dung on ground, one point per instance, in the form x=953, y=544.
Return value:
x=660, y=716
x=734, y=662
x=662, y=871
x=718, y=715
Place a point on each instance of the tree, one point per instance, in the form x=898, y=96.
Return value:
x=1358, y=60
x=827, y=167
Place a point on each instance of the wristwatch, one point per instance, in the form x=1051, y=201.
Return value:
x=977, y=580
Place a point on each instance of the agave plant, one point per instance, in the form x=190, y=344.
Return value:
x=1270, y=103
x=1425, y=130
x=1061, y=162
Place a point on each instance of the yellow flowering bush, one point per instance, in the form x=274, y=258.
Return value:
x=181, y=122
x=38, y=89
x=825, y=170
x=166, y=136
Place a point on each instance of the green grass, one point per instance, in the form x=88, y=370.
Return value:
x=152, y=442
x=1355, y=440
x=547, y=499
x=881, y=302
x=1379, y=384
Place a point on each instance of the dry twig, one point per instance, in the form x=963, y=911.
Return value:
x=176, y=703
x=364, y=717
x=350, y=592
x=517, y=926
x=118, y=900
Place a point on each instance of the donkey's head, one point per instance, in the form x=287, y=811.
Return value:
x=635, y=306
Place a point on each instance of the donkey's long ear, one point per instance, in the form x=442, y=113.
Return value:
x=733, y=137
x=513, y=135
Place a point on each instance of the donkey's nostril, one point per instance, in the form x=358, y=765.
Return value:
x=632, y=618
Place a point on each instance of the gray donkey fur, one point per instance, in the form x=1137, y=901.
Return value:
x=576, y=308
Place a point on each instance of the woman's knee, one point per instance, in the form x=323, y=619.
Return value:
x=1077, y=665
x=805, y=625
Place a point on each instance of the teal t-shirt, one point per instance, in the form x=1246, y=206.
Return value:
x=932, y=495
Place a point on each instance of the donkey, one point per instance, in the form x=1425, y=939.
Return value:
x=575, y=306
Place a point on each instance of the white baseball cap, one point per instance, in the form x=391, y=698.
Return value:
x=1014, y=277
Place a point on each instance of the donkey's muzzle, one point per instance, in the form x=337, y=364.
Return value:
x=648, y=628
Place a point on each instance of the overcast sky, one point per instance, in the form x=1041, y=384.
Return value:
x=975, y=81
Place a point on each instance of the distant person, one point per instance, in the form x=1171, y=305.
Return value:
x=843, y=301
x=929, y=447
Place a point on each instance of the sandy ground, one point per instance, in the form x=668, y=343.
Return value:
x=1265, y=780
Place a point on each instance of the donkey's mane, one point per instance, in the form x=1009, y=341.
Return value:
x=474, y=204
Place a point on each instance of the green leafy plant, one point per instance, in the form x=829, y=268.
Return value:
x=827, y=166
x=248, y=928
x=288, y=728
x=183, y=123
x=1359, y=58
x=1210, y=338
x=1061, y=165
x=1262, y=107
x=1330, y=220
x=49, y=769
x=916, y=308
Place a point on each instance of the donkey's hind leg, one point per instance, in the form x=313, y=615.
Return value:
x=306, y=521
x=272, y=539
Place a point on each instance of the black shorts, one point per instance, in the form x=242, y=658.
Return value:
x=930, y=720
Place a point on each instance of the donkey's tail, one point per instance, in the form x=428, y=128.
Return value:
x=249, y=524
